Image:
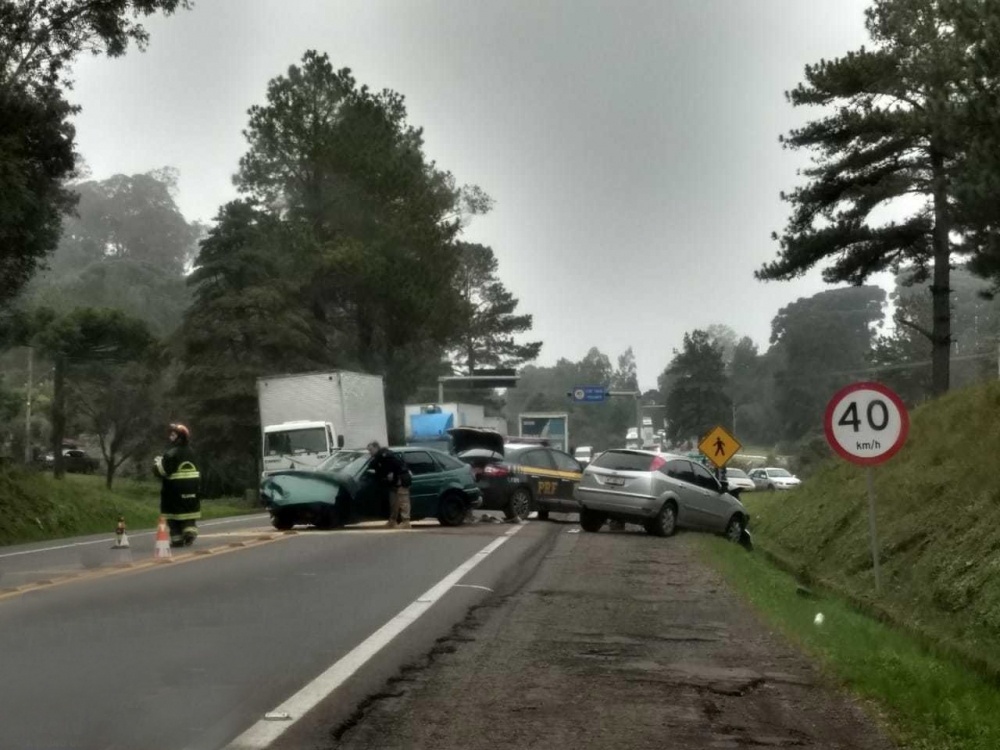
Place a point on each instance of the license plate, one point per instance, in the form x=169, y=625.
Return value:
x=617, y=481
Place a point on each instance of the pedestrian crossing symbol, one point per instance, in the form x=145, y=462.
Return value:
x=719, y=446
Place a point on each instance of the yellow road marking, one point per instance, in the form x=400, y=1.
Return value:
x=123, y=568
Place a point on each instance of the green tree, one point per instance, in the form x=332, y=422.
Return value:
x=821, y=343
x=38, y=42
x=889, y=133
x=126, y=247
x=245, y=321
x=79, y=339
x=121, y=404
x=725, y=338
x=375, y=219
x=696, y=398
x=488, y=319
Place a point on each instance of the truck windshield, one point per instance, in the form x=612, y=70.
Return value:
x=292, y=442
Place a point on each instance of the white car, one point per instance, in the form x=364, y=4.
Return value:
x=738, y=480
x=584, y=454
x=774, y=479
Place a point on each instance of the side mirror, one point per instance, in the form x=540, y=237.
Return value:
x=340, y=441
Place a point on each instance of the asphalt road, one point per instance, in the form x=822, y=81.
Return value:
x=189, y=656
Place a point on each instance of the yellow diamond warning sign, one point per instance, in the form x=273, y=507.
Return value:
x=719, y=446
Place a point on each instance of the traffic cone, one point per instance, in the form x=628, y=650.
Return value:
x=123, y=551
x=162, y=549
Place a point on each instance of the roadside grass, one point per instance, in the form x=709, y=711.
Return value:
x=938, y=518
x=36, y=507
x=926, y=700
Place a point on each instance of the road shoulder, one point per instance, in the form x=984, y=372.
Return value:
x=619, y=640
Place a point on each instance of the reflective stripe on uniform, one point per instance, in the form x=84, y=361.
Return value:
x=186, y=470
x=183, y=516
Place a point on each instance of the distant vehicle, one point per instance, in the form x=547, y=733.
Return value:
x=737, y=479
x=339, y=493
x=583, y=454
x=305, y=418
x=774, y=479
x=659, y=491
x=75, y=461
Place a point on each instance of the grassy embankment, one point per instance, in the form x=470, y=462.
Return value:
x=34, y=506
x=927, y=651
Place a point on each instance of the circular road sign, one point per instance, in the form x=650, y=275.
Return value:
x=866, y=423
x=579, y=394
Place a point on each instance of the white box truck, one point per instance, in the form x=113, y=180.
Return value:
x=304, y=418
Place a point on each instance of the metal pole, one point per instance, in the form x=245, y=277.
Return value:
x=638, y=416
x=27, y=408
x=440, y=391
x=734, y=419
x=871, y=525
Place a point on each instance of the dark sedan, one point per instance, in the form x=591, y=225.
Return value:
x=343, y=490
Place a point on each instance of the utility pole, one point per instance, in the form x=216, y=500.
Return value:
x=27, y=408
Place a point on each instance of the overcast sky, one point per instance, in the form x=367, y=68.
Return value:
x=631, y=147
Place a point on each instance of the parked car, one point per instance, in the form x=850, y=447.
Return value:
x=737, y=479
x=338, y=493
x=774, y=479
x=662, y=492
x=75, y=461
x=519, y=477
x=583, y=454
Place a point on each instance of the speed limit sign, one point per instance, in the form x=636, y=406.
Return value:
x=866, y=423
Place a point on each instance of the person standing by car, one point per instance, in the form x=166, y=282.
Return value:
x=391, y=471
x=180, y=483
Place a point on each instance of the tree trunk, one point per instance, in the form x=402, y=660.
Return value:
x=109, y=474
x=59, y=415
x=941, y=286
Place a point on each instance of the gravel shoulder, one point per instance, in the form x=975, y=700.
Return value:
x=618, y=640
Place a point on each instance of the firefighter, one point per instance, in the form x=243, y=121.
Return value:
x=391, y=471
x=179, y=502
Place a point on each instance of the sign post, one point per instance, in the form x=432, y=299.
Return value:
x=867, y=424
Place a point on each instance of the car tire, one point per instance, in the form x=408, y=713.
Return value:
x=519, y=504
x=734, y=529
x=543, y=515
x=665, y=523
x=451, y=510
x=770, y=488
x=591, y=520
x=282, y=521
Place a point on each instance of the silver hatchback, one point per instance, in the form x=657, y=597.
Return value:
x=659, y=491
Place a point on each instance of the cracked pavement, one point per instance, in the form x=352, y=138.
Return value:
x=620, y=639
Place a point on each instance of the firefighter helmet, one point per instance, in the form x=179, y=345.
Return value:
x=181, y=430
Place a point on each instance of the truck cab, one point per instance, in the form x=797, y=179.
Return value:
x=298, y=445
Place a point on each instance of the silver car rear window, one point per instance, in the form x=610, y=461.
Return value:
x=623, y=461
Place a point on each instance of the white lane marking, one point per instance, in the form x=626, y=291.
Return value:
x=206, y=524
x=264, y=732
x=472, y=586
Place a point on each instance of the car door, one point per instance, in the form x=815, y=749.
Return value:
x=539, y=472
x=426, y=483
x=710, y=507
x=570, y=471
x=681, y=473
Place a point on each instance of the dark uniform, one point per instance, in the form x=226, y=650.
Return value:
x=181, y=481
x=390, y=469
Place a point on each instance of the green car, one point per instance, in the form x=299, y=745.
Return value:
x=343, y=490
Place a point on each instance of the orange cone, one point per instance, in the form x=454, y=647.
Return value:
x=162, y=549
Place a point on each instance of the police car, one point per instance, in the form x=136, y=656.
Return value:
x=519, y=477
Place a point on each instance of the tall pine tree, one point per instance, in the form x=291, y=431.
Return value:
x=892, y=134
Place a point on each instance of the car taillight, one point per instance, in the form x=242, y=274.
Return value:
x=657, y=462
x=496, y=470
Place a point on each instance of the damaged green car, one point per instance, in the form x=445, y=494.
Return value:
x=343, y=490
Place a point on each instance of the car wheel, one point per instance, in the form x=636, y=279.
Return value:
x=543, y=515
x=770, y=488
x=591, y=520
x=665, y=523
x=282, y=521
x=451, y=510
x=519, y=505
x=734, y=530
